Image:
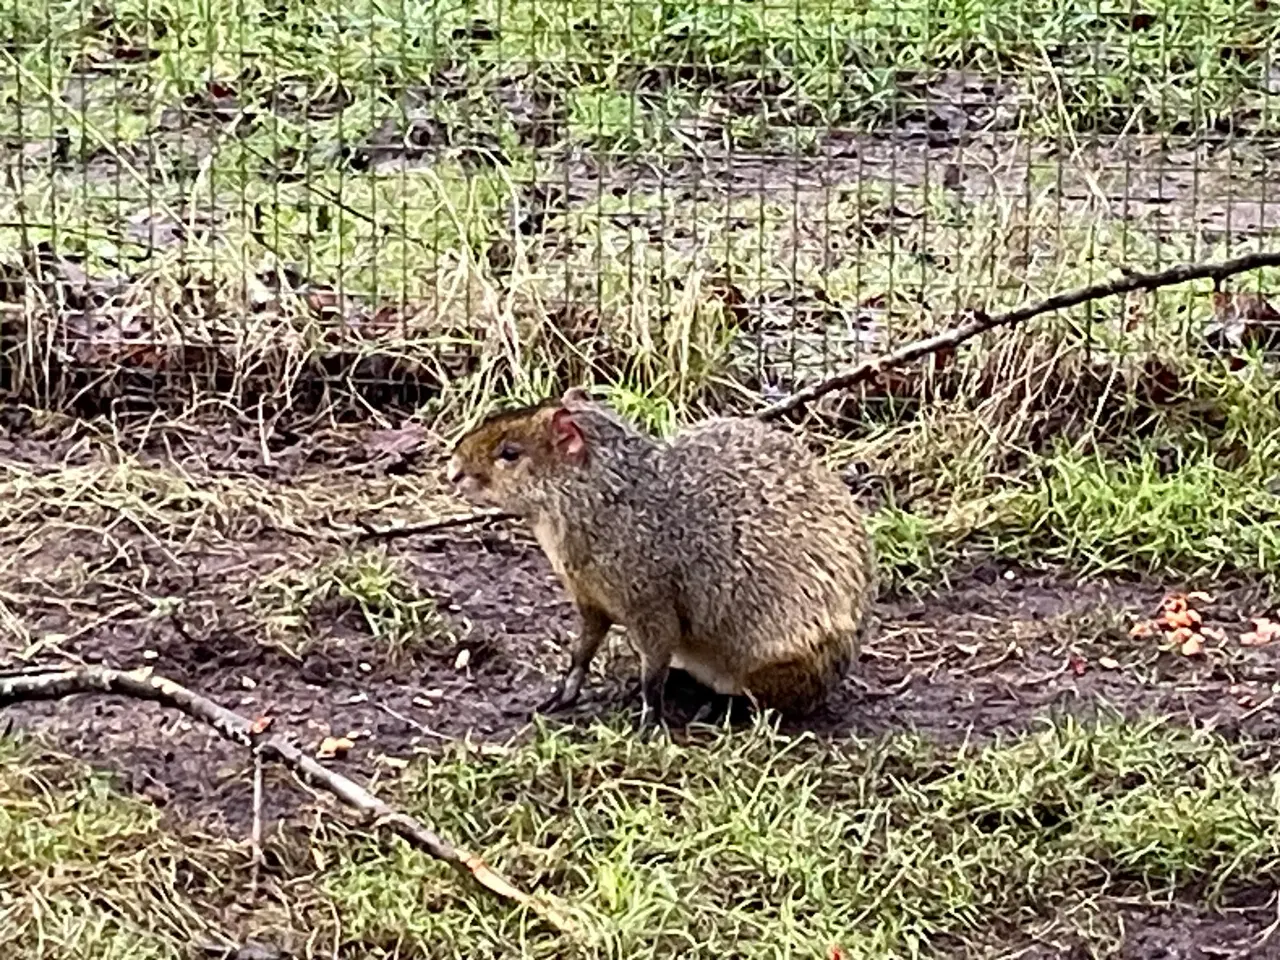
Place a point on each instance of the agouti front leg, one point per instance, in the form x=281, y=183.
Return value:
x=595, y=624
x=655, y=642
x=653, y=683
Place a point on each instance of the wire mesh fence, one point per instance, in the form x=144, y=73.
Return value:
x=393, y=203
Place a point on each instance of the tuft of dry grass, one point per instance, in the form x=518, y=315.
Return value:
x=366, y=591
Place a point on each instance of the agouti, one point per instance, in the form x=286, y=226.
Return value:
x=730, y=552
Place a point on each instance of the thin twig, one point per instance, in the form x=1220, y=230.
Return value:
x=420, y=727
x=145, y=685
x=1257, y=709
x=877, y=692
x=431, y=526
x=954, y=336
x=255, y=835
x=994, y=662
x=1267, y=933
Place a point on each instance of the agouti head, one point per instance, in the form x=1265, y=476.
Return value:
x=514, y=458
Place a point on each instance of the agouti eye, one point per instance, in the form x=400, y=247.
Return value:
x=509, y=452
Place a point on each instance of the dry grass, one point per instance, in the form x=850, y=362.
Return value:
x=367, y=591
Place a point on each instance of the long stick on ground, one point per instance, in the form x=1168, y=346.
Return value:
x=55, y=684
x=370, y=532
x=1059, y=301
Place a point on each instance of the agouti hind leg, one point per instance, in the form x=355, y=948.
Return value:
x=720, y=708
x=595, y=626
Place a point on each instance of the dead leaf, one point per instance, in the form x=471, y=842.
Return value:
x=1242, y=320
x=322, y=301
x=1264, y=631
x=834, y=952
x=395, y=444
x=1185, y=617
x=1143, y=629
x=333, y=746
x=732, y=297
x=1078, y=665
x=462, y=660
x=1109, y=663
x=1217, y=634
x=260, y=725
x=1193, y=646
x=1248, y=306
x=968, y=649
x=1200, y=597
x=1161, y=382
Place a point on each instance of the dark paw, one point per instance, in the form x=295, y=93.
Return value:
x=554, y=703
x=564, y=696
x=709, y=713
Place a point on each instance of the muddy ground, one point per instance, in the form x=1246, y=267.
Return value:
x=994, y=653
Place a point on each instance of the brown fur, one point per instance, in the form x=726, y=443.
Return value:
x=731, y=552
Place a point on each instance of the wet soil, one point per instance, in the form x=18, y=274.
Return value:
x=993, y=654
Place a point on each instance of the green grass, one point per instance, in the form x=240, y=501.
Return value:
x=1092, y=514
x=1101, y=515
x=86, y=872
x=1096, y=513
x=366, y=591
x=1185, y=489
x=818, y=62
x=746, y=844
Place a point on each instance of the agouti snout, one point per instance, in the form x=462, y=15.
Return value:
x=731, y=552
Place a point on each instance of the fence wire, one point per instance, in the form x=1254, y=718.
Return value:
x=398, y=203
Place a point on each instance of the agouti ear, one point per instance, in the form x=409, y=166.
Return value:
x=567, y=437
x=574, y=396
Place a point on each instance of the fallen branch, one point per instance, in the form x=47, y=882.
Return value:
x=431, y=526
x=54, y=684
x=255, y=835
x=1059, y=301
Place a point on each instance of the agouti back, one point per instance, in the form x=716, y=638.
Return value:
x=731, y=552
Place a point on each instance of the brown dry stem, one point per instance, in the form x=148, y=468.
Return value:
x=954, y=336
x=370, y=532
x=56, y=683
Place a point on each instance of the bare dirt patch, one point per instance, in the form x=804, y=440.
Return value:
x=1182, y=930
